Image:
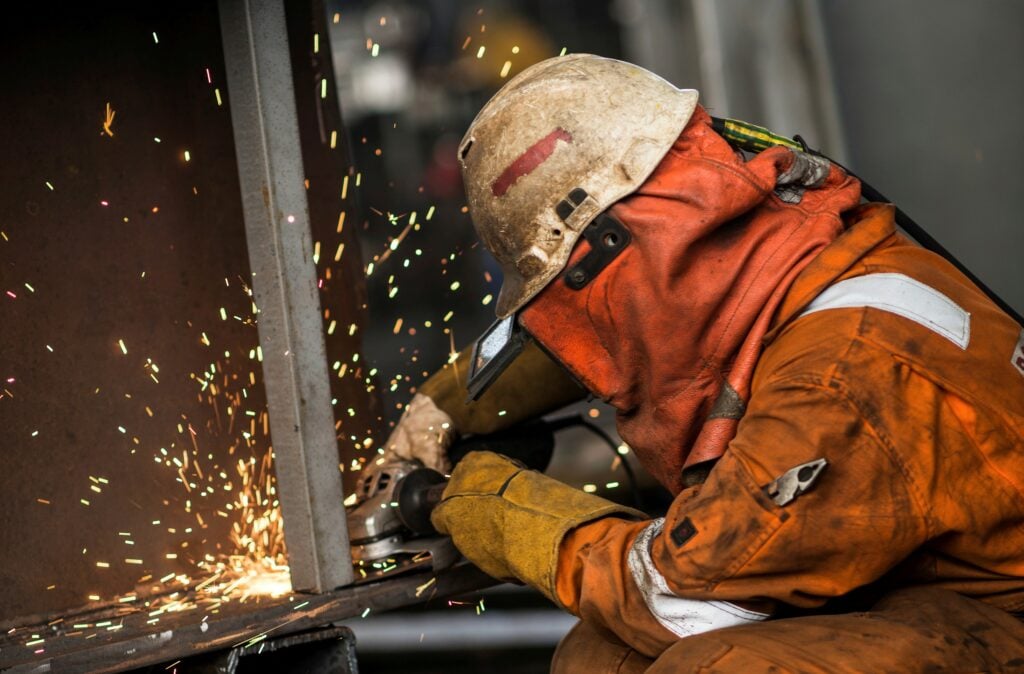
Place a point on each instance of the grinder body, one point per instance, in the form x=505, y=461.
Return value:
x=389, y=526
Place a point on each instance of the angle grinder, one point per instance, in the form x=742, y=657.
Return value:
x=389, y=525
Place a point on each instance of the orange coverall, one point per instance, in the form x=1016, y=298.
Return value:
x=918, y=411
x=924, y=488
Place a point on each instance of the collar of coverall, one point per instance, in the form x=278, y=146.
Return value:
x=867, y=226
x=669, y=332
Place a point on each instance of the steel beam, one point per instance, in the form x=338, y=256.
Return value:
x=270, y=168
x=144, y=642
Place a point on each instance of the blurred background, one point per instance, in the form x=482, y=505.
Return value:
x=130, y=358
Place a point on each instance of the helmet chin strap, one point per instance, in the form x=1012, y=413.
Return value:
x=607, y=237
x=753, y=138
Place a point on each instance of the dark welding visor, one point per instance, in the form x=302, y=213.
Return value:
x=493, y=353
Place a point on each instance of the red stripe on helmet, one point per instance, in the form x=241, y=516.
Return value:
x=534, y=156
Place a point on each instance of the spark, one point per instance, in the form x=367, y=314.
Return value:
x=480, y=51
x=109, y=121
x=421, y=588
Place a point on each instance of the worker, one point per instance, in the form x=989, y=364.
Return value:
x=838, y=413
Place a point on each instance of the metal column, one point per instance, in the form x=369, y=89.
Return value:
x=277, y=230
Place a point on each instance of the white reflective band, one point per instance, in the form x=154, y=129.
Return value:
x=901, y=295
x=682, y=617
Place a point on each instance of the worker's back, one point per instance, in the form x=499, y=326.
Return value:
x=927, y=369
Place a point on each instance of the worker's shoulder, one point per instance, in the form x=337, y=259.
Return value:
x=907, y=314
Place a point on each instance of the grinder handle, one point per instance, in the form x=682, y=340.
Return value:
x=531, y=443
x=432, y=496
x=417, y=495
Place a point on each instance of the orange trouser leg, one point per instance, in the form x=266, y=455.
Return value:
x=587, y=650
x=911, y=630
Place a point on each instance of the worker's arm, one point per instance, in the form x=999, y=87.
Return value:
x=727, y=546
x=532, y=385
x=726, y=551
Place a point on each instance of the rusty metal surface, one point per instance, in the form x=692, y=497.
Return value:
x=132, y=244
x=123, y=238
x=280, y=248
x=138, y=644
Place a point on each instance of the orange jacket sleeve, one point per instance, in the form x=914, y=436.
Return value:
x=727, y=541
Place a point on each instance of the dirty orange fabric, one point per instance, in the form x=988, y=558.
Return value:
x=925, y=445
x=684, y=307
x=909, y=630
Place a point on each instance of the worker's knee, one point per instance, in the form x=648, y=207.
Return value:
x=912, y=630
x=586, y=650
x=726, y=651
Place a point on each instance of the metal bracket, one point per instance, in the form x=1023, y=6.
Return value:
x=795, y=481
x=277, y=231
x=607, y=238
x=330, y=650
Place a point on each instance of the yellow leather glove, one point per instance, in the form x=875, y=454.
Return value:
x=510, y=521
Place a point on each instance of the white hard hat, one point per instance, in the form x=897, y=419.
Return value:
x=561, y=142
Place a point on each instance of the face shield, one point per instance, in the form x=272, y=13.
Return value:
x=493, y=352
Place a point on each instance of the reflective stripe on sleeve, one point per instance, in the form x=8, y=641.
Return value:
x=682, y=617
x=900, y=295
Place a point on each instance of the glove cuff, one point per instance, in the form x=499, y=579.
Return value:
x=510, y=522
x=543, y=511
